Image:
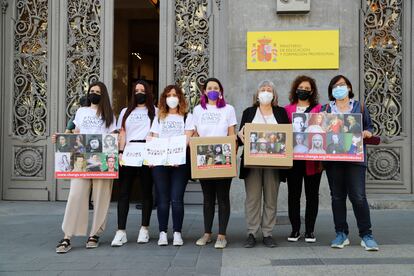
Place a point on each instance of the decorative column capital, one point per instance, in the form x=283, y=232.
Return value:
x=4, y=5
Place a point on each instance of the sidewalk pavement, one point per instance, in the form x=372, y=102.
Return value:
x=29, y=232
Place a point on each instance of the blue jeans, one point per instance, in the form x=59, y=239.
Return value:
x=347, y=179
x=170, y=184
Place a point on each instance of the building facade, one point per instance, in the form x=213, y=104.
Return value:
x=51, y=50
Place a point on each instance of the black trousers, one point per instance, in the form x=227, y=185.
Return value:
x=212, y=189
x=127, y=176
x=295, y=176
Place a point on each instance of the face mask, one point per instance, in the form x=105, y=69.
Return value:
x=140, y=98
x=265, y=97
x=172, y=102
x=340, y=92
x=213, y=95
x=94, y=98
x=303, y=95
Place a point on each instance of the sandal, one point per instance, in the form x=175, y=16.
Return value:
x=92, y=242
x=63, y=246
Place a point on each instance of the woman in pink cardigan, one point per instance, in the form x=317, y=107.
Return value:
x=303, y=99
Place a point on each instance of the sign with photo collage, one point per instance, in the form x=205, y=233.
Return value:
x=327, y=137
x=86, y=156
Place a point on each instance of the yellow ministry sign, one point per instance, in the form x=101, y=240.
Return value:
x=293, y=50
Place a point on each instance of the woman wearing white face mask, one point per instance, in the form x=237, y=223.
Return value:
x=260, y=181
x=171, y=181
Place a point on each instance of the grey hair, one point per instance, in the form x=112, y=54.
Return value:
x=265, y=83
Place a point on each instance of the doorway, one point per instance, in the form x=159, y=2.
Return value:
x=136, y=55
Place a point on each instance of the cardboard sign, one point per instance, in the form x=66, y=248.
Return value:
x=268, y=145
x=327, y=137
x=86, y=156
x=133, y=154
x=213, y=157
x=166, y=151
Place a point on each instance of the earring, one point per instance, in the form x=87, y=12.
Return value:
x=220, y=97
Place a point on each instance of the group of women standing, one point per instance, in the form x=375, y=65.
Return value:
x=141, y=120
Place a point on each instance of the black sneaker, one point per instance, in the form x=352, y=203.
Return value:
x=269, y=242
x=250, y=242
x=294, y=236
x=309, y=237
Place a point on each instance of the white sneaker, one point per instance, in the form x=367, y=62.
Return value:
x=178, y=240
x=119, y=239
x=143, y=236
x=220, y=243
x=162, y=241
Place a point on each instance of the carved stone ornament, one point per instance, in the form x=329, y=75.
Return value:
x=191, y=47
x=83, y=50
x=384, y=164
x=28, y=162
x=30, y=59
x=4, y=5
x=383, y=56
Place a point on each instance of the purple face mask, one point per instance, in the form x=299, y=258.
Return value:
x=213, y=95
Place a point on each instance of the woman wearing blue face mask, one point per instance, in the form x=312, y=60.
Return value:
x=347, y=179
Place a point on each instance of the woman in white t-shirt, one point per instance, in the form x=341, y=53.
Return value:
x=213, y=117
x=170, y=181
x=134, y=124
x=98, y=118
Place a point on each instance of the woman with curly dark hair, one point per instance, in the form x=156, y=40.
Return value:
x=303, y=99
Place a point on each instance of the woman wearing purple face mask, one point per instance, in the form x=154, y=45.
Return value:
x=213, y=117
x=347, y=179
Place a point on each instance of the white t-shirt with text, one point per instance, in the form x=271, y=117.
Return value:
x=137, y=125
x=214, y=121
x=88, y=122
x=172, y=125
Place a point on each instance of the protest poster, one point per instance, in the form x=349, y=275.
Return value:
x=213, y=157
x=133, y=154
x=327, y=137
x=165, y=151
x=86, y=156
x=268, y=145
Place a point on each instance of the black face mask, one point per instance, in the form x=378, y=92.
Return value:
x=303, y=94
x=140, y=98
x=94, y=98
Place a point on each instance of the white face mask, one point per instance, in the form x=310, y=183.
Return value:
x=172, y=102
x=265, y=97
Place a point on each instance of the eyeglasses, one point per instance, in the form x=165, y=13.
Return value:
x=339, y=84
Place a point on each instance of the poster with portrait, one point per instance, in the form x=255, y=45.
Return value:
x=268, y=145
x=165, y=151
x=213, y=157
x=86, y=156
x=327, y=137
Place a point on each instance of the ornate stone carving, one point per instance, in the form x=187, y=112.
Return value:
x=83, y=48
x=384, y=164
x=28, y=162
x=191, y=47
x=4, y=5
x=30, y=58
x=383, y=64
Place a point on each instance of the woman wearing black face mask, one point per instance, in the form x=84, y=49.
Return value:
x=303, y=99
x=134, y=124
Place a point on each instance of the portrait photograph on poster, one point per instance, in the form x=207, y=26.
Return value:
x=86, y=156
x=213, y=157
x=327, y=137
x=268, y=145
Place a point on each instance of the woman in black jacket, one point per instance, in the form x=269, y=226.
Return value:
x=260, y=181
